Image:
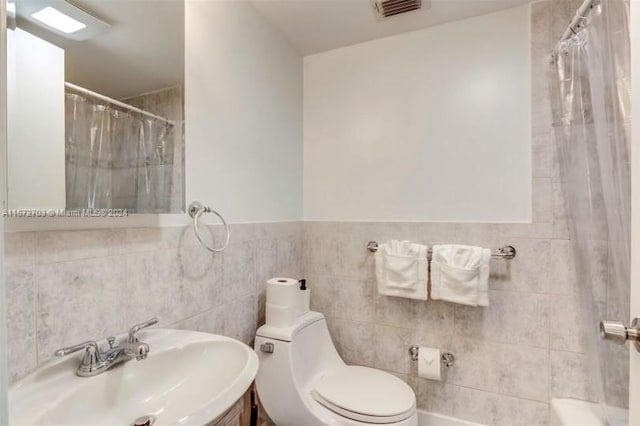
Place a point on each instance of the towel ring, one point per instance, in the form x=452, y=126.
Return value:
x=195, y=211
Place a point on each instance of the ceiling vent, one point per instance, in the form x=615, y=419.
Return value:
x=387, y=8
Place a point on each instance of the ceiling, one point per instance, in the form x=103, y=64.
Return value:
x=318, y=25
x=143, y=51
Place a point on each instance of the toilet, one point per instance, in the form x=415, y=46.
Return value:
x=302, y=381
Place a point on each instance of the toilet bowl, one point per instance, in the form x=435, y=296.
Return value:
x=302, y=381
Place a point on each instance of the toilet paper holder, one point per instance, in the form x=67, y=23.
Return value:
x=447, y=358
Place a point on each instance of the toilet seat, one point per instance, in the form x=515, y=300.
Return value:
x=365, y=394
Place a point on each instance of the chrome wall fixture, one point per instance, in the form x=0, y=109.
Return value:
x=505, y=252
x=195, y=211
x=447, y=358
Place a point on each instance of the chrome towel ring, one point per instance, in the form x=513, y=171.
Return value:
x=195, y=211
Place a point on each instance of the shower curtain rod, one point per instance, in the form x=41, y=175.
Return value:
x=578, y=19
x=115, y=102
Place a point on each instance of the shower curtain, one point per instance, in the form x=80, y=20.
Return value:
x=116, y=160
x=590, y=97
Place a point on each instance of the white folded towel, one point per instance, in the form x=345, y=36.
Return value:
x=460, y=274
x=401, y=269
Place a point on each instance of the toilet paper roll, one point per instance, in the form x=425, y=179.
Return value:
x=429, y=363
x=283, y=292
x=277, y=316
x=284, y=302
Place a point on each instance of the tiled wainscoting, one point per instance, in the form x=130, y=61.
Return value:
x=65, y=287
x=511, y=357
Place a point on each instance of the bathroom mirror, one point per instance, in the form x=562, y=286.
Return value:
x=95, y=106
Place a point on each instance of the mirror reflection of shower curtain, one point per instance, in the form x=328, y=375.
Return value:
x=116, y=159
x=590, y=97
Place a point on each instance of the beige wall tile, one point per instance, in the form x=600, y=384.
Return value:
x=528, y=272
x=433, y=396
x=154, y=287
x=524, y=373
x=391, y=348
x=395, y=311
x=355, y=341
x=19, y=249
x=60, y=246
x=511, y=317
x=542, y=200
x=525, y=230
x=570, y=377
x=148, y=239
x=542, y=155
x=21, y=321
x=475, y=405
x=434, y=324
x=210, y=321
x=241, y=319
x=80, y=300
x=566, y=311
x=476, y=365
x=324, y=294
x=521, y=412
x=355, y=299
x=239, y=270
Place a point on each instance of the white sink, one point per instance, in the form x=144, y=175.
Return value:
x=189, y=378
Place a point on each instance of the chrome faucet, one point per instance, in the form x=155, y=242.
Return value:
x=95, y=361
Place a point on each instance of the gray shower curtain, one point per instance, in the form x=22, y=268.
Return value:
x=590, y=96
x=116, y=159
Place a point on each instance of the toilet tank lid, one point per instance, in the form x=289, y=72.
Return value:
x=288, y=333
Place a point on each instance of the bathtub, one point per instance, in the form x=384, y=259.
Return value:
x=431, y=419
x=573, y=412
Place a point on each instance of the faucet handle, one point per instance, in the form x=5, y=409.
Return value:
x=91, y=356
x=134, y=330
x=89, y=345
x=111, y=340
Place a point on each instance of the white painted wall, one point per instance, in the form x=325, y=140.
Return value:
x=35, y=96
x=243, y=114
x=432, y=125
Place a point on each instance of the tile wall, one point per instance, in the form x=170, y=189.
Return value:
x=511, y=358
x=64, y=287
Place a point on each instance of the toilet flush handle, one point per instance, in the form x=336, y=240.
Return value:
x=267, y=347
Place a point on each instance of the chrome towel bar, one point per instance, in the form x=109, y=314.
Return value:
x=506, y=252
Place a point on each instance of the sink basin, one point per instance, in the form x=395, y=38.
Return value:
x=189, y=378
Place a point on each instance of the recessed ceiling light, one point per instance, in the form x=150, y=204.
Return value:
x=57, y=20
x=61, y=17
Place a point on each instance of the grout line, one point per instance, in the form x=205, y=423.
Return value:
x=36, y=325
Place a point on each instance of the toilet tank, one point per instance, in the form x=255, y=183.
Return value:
x=285, y=377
